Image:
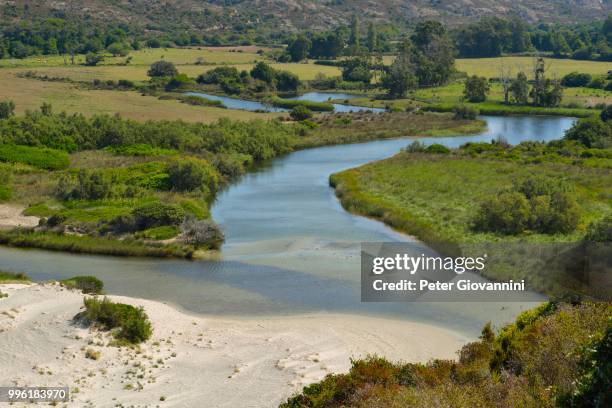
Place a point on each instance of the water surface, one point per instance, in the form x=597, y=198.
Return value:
x=290, y=247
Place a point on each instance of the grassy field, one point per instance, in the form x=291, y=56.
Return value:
x=146, y=56
x=29, y=94
x=491, y=67
x=359, y=127
x=435, y=197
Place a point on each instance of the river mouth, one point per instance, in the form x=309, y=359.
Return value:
x=290, y=247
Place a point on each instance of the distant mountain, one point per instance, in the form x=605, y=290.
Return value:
x=236, y=15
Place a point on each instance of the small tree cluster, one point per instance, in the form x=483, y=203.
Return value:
x=536, y=204
x=476, y=89
x=201, y=233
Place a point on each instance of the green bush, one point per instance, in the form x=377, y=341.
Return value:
x=7, y=277
x=536, y=204
x=87, y=284
x=202, y=233
x=132, y=324
x=201, y=101
x=157, y=214
x=88, y=185
x=43, y=158
x=7, y=109
x=576, y=79
x=591, y=132
x=192, y=174
x=300, y=113
x=162, y=69
x=437, y=148
x=5, y=193
x=464, y=112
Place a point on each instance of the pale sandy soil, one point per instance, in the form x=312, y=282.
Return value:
x=193, y=361
x=12, y=216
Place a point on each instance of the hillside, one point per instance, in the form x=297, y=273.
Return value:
x=241, y=15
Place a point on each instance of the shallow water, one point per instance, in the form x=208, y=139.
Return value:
x=243, y=104
x=290, y=247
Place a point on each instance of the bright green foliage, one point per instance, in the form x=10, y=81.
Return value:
x=44, y=158
x=87, y=284
x=9, y=277
x=160, y=233
x=192, y=174
x=591, y=132
x=157, y=214
x=132, y=323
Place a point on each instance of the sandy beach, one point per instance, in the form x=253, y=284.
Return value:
x=193, y=361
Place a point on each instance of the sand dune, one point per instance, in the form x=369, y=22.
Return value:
x=193, y=361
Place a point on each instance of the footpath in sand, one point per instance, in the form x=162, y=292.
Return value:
x=193, y=361
x=12, y=216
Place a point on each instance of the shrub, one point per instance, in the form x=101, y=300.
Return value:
x=89, y=185
x=43, y=158
x=287, y=81
x=591, y=132
x=157, y=215
x=476, y=89
x=597, y=83
x=600, y=231
x=437, y=149
x=300, y=113
x=132, y=324
x=87, y=284
x=192, y=174
x=538, y=204
x=7, y=277
x=202, y=233
x=219, y=75
x=92, y=59
x=415, y=147
x=576, y=79
x=178, y=81
x=606, y=113
x=465, y=112
x=162, y=69
x=92, y=354
x=263, y=72
x=7, y=109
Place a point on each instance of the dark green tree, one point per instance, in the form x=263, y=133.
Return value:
x=162, y=69
x=520, y=89
x=476, y=89
x=299, y=48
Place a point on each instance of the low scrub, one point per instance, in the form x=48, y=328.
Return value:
x=292, y=103
x=201, y=101
x=86, y=284
x=13, y=277
x=127, y=322
x=554, y=355
x=43, y=158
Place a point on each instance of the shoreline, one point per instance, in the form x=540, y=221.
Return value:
x=191, y=357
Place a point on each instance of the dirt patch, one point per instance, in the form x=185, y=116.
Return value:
x=11, y=216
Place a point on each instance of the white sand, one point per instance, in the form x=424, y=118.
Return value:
x=12, y=216
x=193, y=361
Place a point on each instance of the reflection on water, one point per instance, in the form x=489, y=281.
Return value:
x=290, y=246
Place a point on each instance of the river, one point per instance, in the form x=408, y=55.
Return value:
x=290, y=247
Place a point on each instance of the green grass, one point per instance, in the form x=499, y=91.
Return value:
x=363, y=126
x=292, y=103
x=11, y=277
x=43, y=158
x=436, y=197
x=491, y=67
x=159, y=233
x=498, y=109
x=91, y=245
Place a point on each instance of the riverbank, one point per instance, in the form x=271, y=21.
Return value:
x=131, y=197
x=191, y=358
x=436, y=196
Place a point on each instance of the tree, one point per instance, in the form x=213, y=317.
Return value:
x=544, y=91
x=357, y=70
x=7, y=109
x=92, y=59
x=606, y=114
x=400, y=77
x=263, y=72
x=299, y=48
x=300, y=113
x=118, y=49
x=354, y=36
x=287, y=81
x=476, y=89
x=328, y=45
x=372, y=39
x=433, y=54
x=162, y=69
x=520, y=89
